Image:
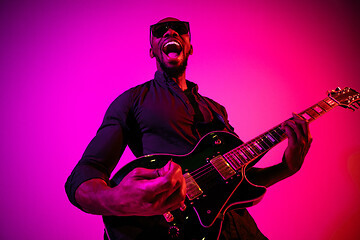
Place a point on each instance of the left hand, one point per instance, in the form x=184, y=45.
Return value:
x=299, y=141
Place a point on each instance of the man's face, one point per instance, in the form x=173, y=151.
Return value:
x=171, y=47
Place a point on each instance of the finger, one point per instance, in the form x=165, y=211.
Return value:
x=176, y=200
x=174, y=177
x=171, y=199
x=303, y=123
x=305, y=128
x=164, y=170
x=298, y=128
x=289, y=131
x=168, y=182
x=144, y=173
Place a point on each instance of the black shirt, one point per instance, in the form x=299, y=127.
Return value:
x=155, y=117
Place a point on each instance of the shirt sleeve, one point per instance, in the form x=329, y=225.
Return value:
x=105, y=149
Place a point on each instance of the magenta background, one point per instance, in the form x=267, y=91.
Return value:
x=63, y=63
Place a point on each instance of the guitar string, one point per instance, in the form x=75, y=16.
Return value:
x=198, y=177
x=234, y=155
x=254, y=152
x=250, y=150
x=205, y=169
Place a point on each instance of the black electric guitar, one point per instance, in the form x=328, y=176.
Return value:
x=214, y=172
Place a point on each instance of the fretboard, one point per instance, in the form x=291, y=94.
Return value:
x=249, y=151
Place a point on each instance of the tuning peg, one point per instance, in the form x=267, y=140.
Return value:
x=338, y=89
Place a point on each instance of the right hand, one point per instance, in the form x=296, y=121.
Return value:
x=147, y=192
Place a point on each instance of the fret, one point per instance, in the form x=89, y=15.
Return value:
x=262, y=144
x=258, y=146
x=318, y=109
x=246, y=153
x=314, y=114
x=278, y=134
x=269, y=138
x=239, y=161
x=281, y=133
x=331, y=102
x=249, y=151
x=310, y=114
x=324, y=106
x=231, y=159
x=274, y=133
x=266, y=140
x=306, y=116
x=236, y=159
x=241, y=155
x=275, y=136
x=253, y=147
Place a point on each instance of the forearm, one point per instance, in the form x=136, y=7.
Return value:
x=93, y=195
x=142, y=192
x=299, y=141
x=270, y=175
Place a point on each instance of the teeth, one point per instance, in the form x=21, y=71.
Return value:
x=172, y=42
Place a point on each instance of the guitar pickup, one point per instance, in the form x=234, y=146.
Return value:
x=223, y=167
x=192, y=188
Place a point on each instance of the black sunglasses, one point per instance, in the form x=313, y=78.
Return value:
x=158, y=30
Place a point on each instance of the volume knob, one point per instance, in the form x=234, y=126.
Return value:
x=174, y=232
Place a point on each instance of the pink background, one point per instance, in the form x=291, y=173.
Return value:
x=63, y=63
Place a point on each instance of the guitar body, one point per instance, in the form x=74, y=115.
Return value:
x=214, y=172
x=203, y=216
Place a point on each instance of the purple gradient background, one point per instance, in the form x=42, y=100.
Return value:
x=63, y=63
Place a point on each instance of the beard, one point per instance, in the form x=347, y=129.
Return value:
x=174, y=72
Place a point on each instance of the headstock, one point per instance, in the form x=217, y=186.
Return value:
x=347, y=97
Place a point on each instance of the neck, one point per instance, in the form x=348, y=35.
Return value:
x=181, y=81
x=178, y=78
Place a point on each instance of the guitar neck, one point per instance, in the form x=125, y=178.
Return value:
x=249, y=151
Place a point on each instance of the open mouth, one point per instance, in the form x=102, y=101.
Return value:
x=172, y=49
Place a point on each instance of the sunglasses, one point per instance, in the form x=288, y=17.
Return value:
x=158, y=30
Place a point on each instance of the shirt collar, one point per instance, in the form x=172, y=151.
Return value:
x=162, y=78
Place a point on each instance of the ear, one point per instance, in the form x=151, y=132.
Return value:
x=191, y=50
x=151, y=53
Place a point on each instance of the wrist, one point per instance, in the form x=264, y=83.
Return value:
x=93, y=196
x=287, y=168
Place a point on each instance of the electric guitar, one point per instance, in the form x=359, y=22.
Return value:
x=214, y=172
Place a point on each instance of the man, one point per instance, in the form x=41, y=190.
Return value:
x=165, y=115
